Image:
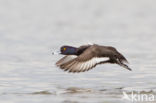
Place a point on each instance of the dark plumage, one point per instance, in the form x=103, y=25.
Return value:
x=86, y=57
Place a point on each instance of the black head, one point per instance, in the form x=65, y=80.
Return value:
x=68, y=50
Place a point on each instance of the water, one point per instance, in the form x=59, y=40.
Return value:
x=31, y=30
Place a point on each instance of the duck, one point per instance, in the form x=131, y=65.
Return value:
x=86, y=57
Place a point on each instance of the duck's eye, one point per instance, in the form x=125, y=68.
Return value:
x=64, y=49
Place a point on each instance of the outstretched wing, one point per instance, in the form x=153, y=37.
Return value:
x=117, y=54
x=84, y=62
x=118, y=58
x=65, y=59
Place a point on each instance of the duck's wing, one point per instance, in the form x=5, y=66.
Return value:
x=117, y=58
x=117, y=54
x=84, y=62
x=65, y=59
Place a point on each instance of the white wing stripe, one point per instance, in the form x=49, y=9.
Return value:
x=88, y=64
x=78, y=66
x=98, y=60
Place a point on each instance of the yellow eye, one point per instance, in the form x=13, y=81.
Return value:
x=64, y=48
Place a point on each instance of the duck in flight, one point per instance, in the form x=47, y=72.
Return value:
x=86, y=57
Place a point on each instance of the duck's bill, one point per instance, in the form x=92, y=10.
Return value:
x=56, y=52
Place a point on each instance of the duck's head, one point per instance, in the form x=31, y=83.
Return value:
x=68, y=50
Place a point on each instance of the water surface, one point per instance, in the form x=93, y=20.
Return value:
x=31, y=30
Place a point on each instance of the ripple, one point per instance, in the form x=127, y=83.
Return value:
x=78, y=90
x=42, y=93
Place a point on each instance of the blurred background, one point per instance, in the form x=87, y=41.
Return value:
x=30, y=30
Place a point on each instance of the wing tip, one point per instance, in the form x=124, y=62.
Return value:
x=126, y=67
x=129, y=69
